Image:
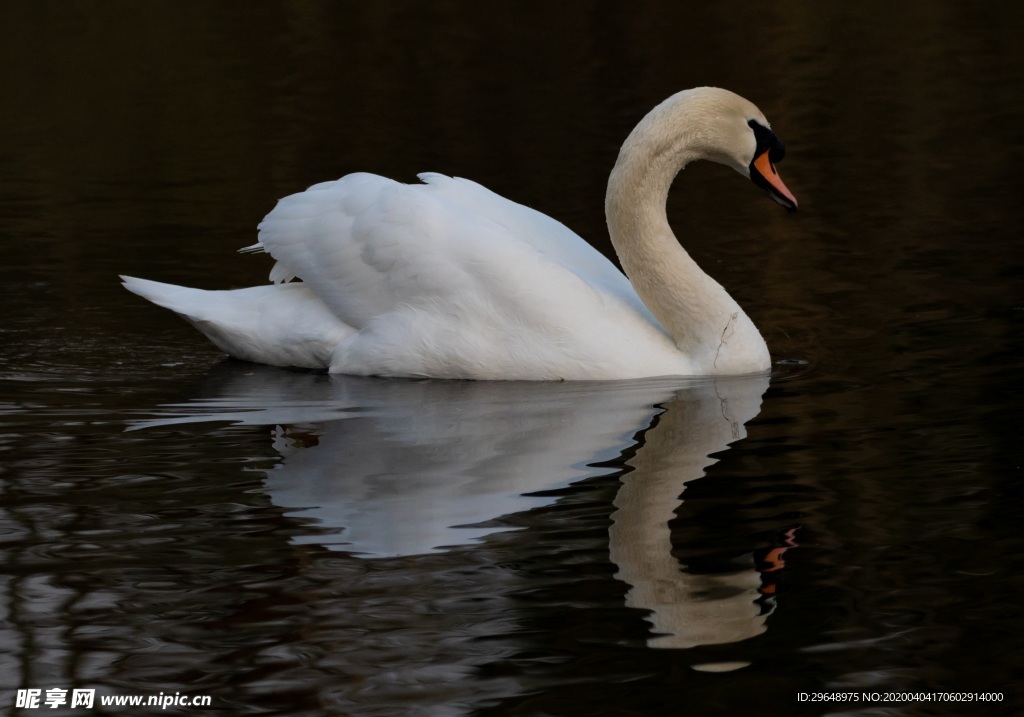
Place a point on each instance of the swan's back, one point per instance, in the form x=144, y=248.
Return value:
x=447, y=278
x=360, y=239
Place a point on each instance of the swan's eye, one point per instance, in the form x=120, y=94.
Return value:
x=767, y=142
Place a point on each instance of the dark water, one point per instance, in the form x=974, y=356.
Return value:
x=308, y=545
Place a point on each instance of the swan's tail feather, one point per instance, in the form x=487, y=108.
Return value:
x=280, y=325
x=182, y=300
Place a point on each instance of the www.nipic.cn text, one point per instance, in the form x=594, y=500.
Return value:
x=87, y=699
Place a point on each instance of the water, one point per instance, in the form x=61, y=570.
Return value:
x=296, y=544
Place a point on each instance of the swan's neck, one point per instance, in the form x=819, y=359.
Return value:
x=704, y=321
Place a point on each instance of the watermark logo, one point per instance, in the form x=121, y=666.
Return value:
x=37, y=698
x=55, y=697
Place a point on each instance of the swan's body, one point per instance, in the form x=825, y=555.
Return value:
x=448, y=280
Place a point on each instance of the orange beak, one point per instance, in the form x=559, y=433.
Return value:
x=772, y=182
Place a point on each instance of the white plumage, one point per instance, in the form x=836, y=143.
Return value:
x=447, y=279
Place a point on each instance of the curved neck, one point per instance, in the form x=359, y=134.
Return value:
x=703, y=320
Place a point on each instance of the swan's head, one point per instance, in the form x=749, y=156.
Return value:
x=715, y=124
x=738, y=135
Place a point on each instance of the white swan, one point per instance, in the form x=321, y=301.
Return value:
x=448, y=280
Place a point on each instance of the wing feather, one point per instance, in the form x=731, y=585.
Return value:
x=448, y=274
x=365, y=243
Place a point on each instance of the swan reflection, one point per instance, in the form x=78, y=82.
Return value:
x=398, y=468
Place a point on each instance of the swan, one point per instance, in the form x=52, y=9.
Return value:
x=446, y=279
